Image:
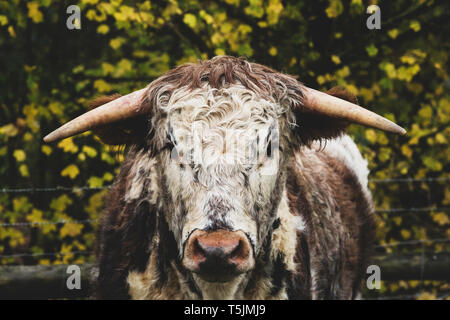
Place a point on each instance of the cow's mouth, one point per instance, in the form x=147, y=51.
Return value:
x=219, y=255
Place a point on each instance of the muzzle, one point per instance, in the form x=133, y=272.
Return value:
x=219, y=255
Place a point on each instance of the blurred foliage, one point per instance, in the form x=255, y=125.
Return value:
x=48, y=73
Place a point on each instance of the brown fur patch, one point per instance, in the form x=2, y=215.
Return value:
x=339, y=224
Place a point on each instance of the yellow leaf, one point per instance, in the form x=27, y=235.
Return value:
x=372, y=51
x=82, y=156
x=426, y=296
x=116, y=43
x=405, y=233
x=190, y=20
x=344, y=72
x=71, y=229
x=34, y=13
x=27, y=137
x=207, y=17
x=393, y=33
x=92, y=15
x=441, y=218
x=366, y=93
x=408, y=59
x=273, y=11
x=371, y=135
x=11, y=31
x=9, y=130
x=95, y=182
x=426, y=112
x=23, y=169
x=107, y=68
x=19, y=154
x=432, y=163
x=352, y=89
x=219, y=52
x=68, y=146
x=335, y=59
x=407, y=151
x=35, y=217
x=71, y=171
x=415, y=25
x=123, y=67
x=384, y=154
x=103, y=29
x=3, y=20
x=320, y=80
x=60, y=204
x=262, y=24
x=389, y=68
x=91, y=152
x=407, y=73
x=334, y=9
x=102, y=85
x=273, y=51
x=440, y=138
x=56, y=108
x=108, y=176
x=397, y=220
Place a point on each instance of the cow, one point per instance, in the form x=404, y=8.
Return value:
x=292, y=218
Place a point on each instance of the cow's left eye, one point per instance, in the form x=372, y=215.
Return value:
x=269, y=149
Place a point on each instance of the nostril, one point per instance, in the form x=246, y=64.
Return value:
x=218, y=256
x=198, y=251
x=237, y=251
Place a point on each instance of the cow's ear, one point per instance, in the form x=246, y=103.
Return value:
x=314, y=126
x=122, y=132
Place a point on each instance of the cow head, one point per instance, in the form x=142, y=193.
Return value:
x=221, y=133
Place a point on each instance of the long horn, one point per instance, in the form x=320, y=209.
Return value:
x=122, y=108
x=326, y=104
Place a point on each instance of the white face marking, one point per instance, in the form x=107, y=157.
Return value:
x=224, y=166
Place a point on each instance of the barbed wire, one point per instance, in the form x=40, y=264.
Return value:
x=44, y=223
x=89, y=188
x=44, y=254
x=425, y=209
x=89, y=221
x=53, y=189
x=410, y=242
x=413, y=242
x=92, y=221
x=390, y=180
x=442, y=295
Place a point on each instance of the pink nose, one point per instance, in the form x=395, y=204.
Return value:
x=218, y=256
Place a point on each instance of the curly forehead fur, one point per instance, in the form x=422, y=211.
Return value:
x=221, y=72
x=224, y=92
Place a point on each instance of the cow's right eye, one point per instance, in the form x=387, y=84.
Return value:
x=170, y=141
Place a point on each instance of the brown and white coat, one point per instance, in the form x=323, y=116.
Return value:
x=310, y=224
